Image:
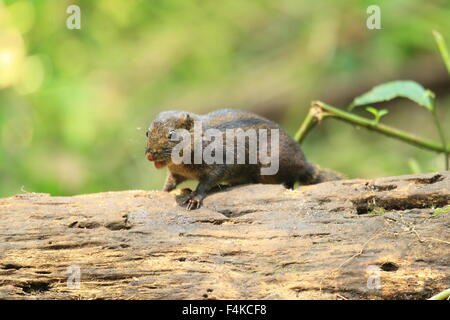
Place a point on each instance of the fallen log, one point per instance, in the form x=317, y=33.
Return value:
x=386, y=238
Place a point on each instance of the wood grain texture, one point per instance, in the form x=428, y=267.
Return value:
x=249, y=242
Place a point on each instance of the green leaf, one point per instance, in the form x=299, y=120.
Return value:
x=391, y=90
x=377, y=113
x=439, y=211
x=373, y=111
x=382, y=112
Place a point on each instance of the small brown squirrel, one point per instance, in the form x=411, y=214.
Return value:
x=163, y=138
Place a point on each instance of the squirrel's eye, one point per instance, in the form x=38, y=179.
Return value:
x=146, y=134
x=172, y=134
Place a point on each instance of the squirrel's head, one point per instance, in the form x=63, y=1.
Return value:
x=161, y=135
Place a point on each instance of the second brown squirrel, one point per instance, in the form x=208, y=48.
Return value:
x=293, y=166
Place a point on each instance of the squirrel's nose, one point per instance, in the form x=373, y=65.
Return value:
x=149, y=156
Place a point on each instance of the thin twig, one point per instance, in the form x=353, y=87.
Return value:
x=358, y=253
x=422, y=240
x=327, y=111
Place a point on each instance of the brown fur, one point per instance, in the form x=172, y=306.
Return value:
x=293, y=166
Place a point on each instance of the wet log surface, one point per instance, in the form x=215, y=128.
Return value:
x=386, y=238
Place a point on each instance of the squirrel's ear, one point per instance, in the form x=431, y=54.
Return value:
x=188, y=122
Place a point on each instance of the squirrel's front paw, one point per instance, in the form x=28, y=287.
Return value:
x=193, y=202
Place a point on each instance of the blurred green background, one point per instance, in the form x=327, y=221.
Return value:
x=74, y=104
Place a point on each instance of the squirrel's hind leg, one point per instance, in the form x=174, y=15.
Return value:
x=289, y=185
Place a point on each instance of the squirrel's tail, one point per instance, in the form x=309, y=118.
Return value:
x=316, y=174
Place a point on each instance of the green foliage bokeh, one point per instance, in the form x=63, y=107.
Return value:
x=74, y=104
